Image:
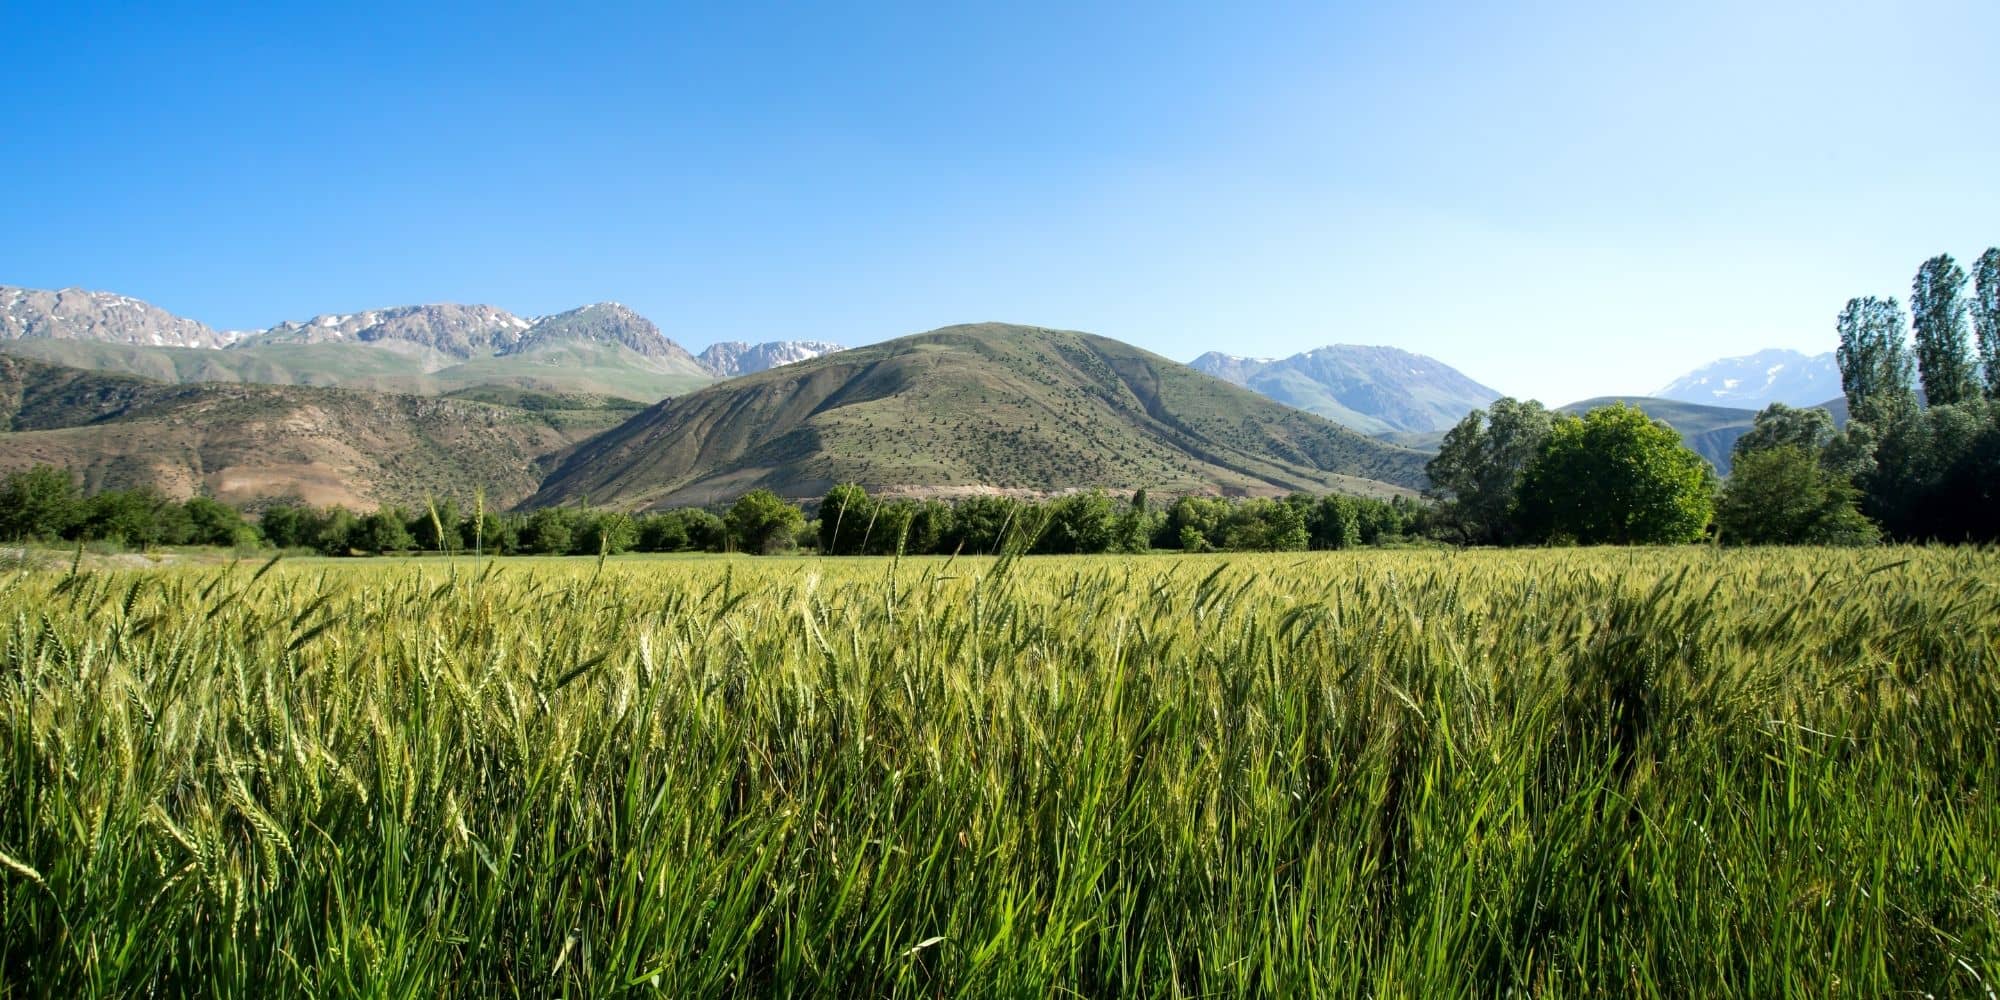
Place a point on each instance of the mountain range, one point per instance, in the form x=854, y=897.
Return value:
x=75, y=314
x=961, y=410
x=1375, y=390
x=1755, y=381
x=604, y=348
x=387, y=405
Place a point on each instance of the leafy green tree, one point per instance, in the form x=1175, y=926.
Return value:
x=608, y=532
x=1851, y=453
x=807, y=538
x=1378, y=521
x=891, y=531
x=761, y=522
x=385, y=530
x=1192, y=540
x=663, y=533
x=39, y=504
x=1874, y=364
x=486, y=532
x=1335, y=523
x=140, y=518
x=983, y=525
x=1136, y=525
x=1777, y=425
x=549, y=531
x=1938, y=308
x=1986, y=317
x=434, y=526
x=335, y=536
x=1616, y=477
x=1414, y=518
x=1477, y=472
x=289, y=525
x=211, y=522
x=1078, y=524
x=1783, y=495
x=706, y=532
x=1936, y=474
x=846, y=517
x=930, y=524
x=1198, y=519
x=1262, y=525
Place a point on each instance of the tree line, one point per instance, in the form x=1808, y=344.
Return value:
x=851, y=522
x=44, y=504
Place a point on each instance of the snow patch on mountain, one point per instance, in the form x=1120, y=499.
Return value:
x=731, y=358
x=1754, y=381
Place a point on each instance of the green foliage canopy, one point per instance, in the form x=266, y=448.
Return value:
x=1616, y=476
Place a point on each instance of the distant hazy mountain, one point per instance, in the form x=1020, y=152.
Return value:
x=1230, y=368
x=734, y=357
x=76, y=314
x=1375, y=390
x=454, y=330
x=1757, y=380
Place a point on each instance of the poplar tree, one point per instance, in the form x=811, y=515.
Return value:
x=1986, y=316
x=1874, y=364
x=1937, y=305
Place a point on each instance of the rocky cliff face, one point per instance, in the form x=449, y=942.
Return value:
x=456, y=330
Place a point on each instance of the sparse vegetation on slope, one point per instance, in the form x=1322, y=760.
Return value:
x=250, y=443
x=985, y=407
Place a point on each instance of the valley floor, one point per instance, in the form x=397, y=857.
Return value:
x=1663, y=772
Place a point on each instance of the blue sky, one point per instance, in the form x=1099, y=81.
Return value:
x=1561, y=199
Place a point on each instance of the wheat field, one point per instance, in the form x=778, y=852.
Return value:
x=1564, y=773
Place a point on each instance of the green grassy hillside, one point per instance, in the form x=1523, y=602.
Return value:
x=964, y=408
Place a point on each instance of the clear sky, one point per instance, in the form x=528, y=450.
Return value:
x=1561, y=199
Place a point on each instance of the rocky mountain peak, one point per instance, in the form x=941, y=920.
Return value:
x=105, y=317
